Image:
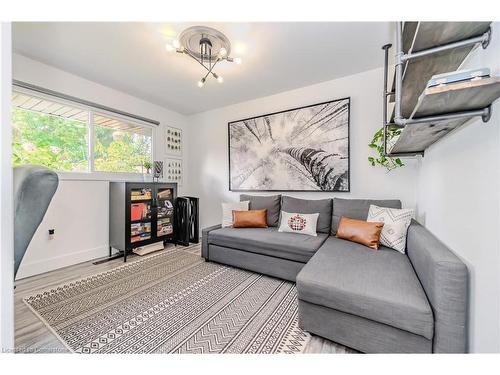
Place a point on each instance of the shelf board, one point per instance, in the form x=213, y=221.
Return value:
x=438, y=100
x=417, y=137
x=140, y=221
x=140, y=200
x=433, y=34
x=457, y=97
x=138, y=234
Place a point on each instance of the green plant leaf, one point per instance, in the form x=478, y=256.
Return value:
x=377, y=143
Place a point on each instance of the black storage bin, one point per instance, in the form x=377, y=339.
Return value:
x=187, y=220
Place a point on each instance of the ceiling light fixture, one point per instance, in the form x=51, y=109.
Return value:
x=206, y=46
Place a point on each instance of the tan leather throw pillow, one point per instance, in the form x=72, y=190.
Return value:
x=363, y=232
x=250, y=219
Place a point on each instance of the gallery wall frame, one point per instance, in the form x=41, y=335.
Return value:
x=174, y=171
x=314, y=163
x=173, y=141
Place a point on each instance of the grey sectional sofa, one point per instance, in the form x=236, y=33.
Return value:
x=373, y=301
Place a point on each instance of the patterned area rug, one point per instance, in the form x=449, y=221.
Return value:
x=173, y=302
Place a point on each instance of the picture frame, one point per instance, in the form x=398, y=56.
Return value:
x=173, y=141
x=299, y=149
x=173, y=170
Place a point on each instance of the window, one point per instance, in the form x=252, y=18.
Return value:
x=61, y=136
x=119, y=146
x=49, y=134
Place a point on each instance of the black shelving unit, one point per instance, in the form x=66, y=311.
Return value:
x=140, y=213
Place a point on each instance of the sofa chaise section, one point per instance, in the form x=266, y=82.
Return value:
x=379, y=287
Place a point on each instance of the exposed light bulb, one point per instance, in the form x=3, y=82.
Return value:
x=176, y=43
x=201, y=82
x=169, y=48
x=237, y=60
x=217, y=77
x=222, y=52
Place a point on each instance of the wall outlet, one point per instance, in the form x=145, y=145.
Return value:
x=51, y=234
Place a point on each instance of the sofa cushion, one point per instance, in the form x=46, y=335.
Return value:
x=268, y=241
x=271, y=203
x=378, y=285
x=357, y=208
x=310, y=206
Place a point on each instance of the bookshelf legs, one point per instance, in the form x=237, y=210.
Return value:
x=111, y=257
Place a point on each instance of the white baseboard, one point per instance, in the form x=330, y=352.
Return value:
x=35, y=268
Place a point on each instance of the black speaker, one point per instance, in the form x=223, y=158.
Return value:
x=187, y=220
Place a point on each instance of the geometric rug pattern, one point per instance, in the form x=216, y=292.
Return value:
x=173, y=302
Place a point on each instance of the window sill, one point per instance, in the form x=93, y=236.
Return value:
x=104, y=176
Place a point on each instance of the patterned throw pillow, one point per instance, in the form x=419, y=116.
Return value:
x=396, y=223
x=298, y=223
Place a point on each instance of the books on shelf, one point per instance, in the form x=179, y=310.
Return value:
x=165, y=194
x=164, y=227
x=140, y=211
x=140, y=237
x=458, y=76
x=139, y=228
x=165, y=212
x=140, y=194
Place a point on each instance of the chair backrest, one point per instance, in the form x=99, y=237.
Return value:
x=34, y=187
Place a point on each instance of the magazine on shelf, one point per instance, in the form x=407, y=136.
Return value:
x=163, y=230
x=141, y=237
x=165, y=194
x=139, y=228
x=165, y=212
x=140, y=211
x=140, y=194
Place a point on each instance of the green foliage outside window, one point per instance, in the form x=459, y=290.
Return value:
x=120, y=151
x=61, y=144
x=51, y=141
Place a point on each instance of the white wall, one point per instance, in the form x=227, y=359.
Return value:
x=6, y=197
x=208, y=161
x=79, y=214
x=458, y=199
x=78, y=211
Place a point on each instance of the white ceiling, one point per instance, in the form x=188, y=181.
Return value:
x=131, y=57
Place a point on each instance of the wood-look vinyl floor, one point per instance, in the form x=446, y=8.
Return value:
x=33, y=336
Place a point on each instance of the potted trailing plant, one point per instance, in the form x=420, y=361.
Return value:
x=147, y=164
x=377, y=144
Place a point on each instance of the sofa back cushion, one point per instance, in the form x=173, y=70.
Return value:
x=357, y=209
x=311, y=206
x=271, y=203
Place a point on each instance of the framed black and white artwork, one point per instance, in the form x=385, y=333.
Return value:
x=173, y=138
x=173, y=170
x=300, y=149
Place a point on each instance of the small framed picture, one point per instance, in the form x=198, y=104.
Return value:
x=173, y=141
x=173, y=170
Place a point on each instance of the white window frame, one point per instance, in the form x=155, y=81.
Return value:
x=91, y=174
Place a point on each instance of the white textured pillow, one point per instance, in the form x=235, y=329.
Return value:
x=227, y=211
x=396, y=223
x=298, y=223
